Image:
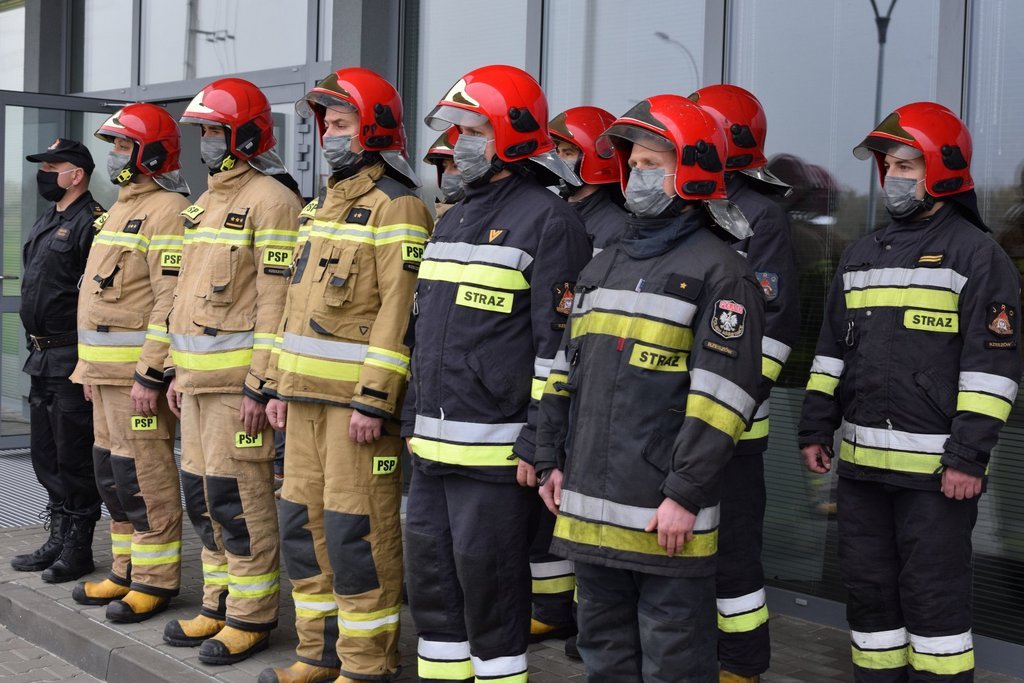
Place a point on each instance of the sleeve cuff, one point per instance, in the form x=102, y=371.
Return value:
x=258, y=396
x=687, y=495
x=370, y=411
x=967, y=460
x=150, y=382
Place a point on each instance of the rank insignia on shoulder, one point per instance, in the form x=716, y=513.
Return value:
x=193, y=212
x=728, y=319
x=769, y=284
x=133, y=226
x=100, y=220
x=931, y=259
x=496, y=235
x=358, y=215
x=683, y=286
x=1001, y=319
x=720, y=348
x=563, y=297
x=236, y=219
x=98, y=211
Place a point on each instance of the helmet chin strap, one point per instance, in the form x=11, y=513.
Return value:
x=365, y=158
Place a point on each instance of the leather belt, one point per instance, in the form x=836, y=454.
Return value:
x=66, y=339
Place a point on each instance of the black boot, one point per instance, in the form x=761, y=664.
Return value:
x=75, y=559
x=56, y=521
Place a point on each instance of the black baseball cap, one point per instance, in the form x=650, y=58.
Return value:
x=63, y=149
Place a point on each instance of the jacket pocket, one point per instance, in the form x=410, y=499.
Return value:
x=102, y=314
x=110, y=275
x=340, y=277
x=657, y=450
x=350, y=329
x=510, y=396
x=937, y=391
x=259, y=448
x=222, y=277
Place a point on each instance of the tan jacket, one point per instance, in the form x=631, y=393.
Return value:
x=127, y=288
x=239, y=239
x=342, y=335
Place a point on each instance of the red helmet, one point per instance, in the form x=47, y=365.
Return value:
x=742, y=119
x=241, y=108
x=443, y=147
x=582, y=127
x=155, y=134
x=924, y=129
x=674, y=123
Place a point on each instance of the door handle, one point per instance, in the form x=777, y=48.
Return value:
x=9, y=277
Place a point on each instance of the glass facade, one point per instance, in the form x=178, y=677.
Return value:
x=99, y=63
x=12, y=44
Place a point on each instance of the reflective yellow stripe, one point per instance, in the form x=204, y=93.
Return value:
x=617, y=538
x=536, y=388
x=758, y=430
x=770, y=368
x=461, y=454
x=263, y=341
x=473, y=274
x=315, y=367
x=825, y=384
x=558, y=584
x=444, y=671
x=917, y=297
x=109, y=354
x=514, y=678
x=549, y=386
x=156, y=553
x=674, y=337
x=275, y=238
x=158, y=333
x=743, y=623
x=367, y=624
x=223, y=360
x=943, y=665
x=215, y=574
x=257, y=586
x=900, y=461
x=715, y=414
x=123, y=239
x=880, y=659
x=121, y=544
x=985, y=404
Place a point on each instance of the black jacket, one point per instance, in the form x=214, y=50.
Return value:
x=604, y=219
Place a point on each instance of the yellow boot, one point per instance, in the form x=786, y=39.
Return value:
x=136, y=607
x=540, y=631
x=191, y=632
x=98, y=592
x=299, y=672
x=729, y=677
x=232, y=645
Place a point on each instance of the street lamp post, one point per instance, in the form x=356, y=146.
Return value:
x=882, y=24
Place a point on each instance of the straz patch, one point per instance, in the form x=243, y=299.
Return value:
x=650, y=358
x=141, y=423
x=236, y=220
x=385, y=464
x=563, y=297
x=192, y=212
x=358, y=216
x=484, y=299
x=133, y=226
x=412, y=252
x=282, y=258
x=769, y=284
x=681, y=286
x=1001, y=319
x=170, y=259
x=931, y=321
x=728, y=319
x=243, y=440
x=720, y=348
x=931, y=259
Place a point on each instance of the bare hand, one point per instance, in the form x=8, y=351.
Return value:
x=144, y=400
x=174, y=398
x=525, y=474
x=674, y=525
x=551, y=491
x=817, y=458
x=277, y=414
x=87, y=392
x=363, y=428
x=960, y=485
x=252, y=416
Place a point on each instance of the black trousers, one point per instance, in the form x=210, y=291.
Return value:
x=61, y=444
x=553, y=583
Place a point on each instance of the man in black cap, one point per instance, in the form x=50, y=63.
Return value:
x=61, y=418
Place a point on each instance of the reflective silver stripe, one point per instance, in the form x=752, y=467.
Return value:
x=234, y=584
x=445, y=652
x=946, y=278
x=324, y=606
x=367, y=624
x=490, y=254
x=879, y=640
x=205, y=343
x=742, y=604
x=942, y=645
x=892, y=439
x=825, y=365
x=542, y=367
x=560, y=363
x=325, y=348
x=545, y=570
x=387, y=359
x=467, y=432
x=762, y=411
x=620, y=514
x=641, y=303
x=388, y=232
x=775, y=349
x=724, y=391
x=979, y=381
x=94, y=338
x=499, y=666
x=323, y=229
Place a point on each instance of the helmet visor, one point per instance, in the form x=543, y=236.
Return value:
x=397, y=161
x=872, y=144
x=304, y=107
x=636, y=135
x=445, y=116
x=729, y=217
x=552, y=162
x=762, y=174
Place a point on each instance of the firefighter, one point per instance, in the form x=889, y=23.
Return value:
x=442, y=155
x=655, y=380
x=338, y=376
x=122, y=349
x=494, y=292
x=53, y=260
x=915, y=374
x=226, y=310
x=744, y=645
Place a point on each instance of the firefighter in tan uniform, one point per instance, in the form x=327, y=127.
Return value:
x=239, y=238
x=122, y=347
x=338, y=376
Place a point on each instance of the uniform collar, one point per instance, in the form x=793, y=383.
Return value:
x=132, y=191
x=899, y=227
x=648, y=237
x=233, y=180
x=357, y=185
x=75, y=208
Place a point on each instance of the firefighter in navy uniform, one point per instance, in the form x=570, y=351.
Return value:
x=122, y=349
x=53, y=260
x=494, y=292
x=449, y=181
x=744, y=645
x=916, y=371
x=338, y=375
x=655, y=380
x=226, y=311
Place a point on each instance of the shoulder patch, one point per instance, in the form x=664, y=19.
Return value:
x=563, y=297
x=1001, y=318
x=192, y=212
x=97, y=211
x=235, y=220
x=496, y=235
x=728, y=319
x=100, y=220
x=720, y=348
x=359, y=215
x=769, y=284
x=683, y=286
x=392, y=188
x=309, y=211
x=133, y=226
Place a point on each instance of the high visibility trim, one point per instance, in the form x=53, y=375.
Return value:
x=742, y=604
x=501, y=668
x=215, y=574
x=262, y=341
x=208, y=235
x=557, y=584
x=275, y=238
x=206, y=343
x=542, y=366
x=121, y=544
x=109, y=354
x=156, y=554
x=775, y=349
x=996, y=385
x=874, y=437
x=559, y=363
x=759, y=429
x=770, y=368
x=453, y=670
x=668, y=308
x=463, y=454
x=956, y=643
x=942, y=655
x=553, y=378
x=984, y=404
x=467, y=432
x=401, y=232
x=880, y=659
x=537, y=388
x=388, y=360
x=668, y=335
x=366, y=624
x=743, y=623
x=824, y=384
x=212, y=361
x=723, y=390
x=879, y=640
x=314, y=605
x=826, y=365
x=258, y=586
x=887, y=459
x=546, y=570
x=642, y=542
x=437, y=649
x=623, y=515
x=94, y=338
x=715, y=414
x=324, y=348
x=491, y=254
x=914, y=297
x=327, y=369
x=944, y=278
x=158, y=333
x=473, y=274
x=166, y=242
x=139, y=243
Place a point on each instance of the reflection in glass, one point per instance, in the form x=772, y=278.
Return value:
x=101, y=44
x=12, y=45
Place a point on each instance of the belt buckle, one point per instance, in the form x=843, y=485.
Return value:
x=35, y=342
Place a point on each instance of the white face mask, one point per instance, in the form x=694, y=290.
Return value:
x=470, y=157
x=645, y=192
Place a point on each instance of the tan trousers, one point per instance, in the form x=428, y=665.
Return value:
x=229, y=496
x=342, y=541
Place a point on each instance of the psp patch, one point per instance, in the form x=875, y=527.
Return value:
x=563, y=297
x=729, y=319
x=385, y=464
x=1001, y=319
x=141, y=423
x=243, y=440
x=769, y=284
